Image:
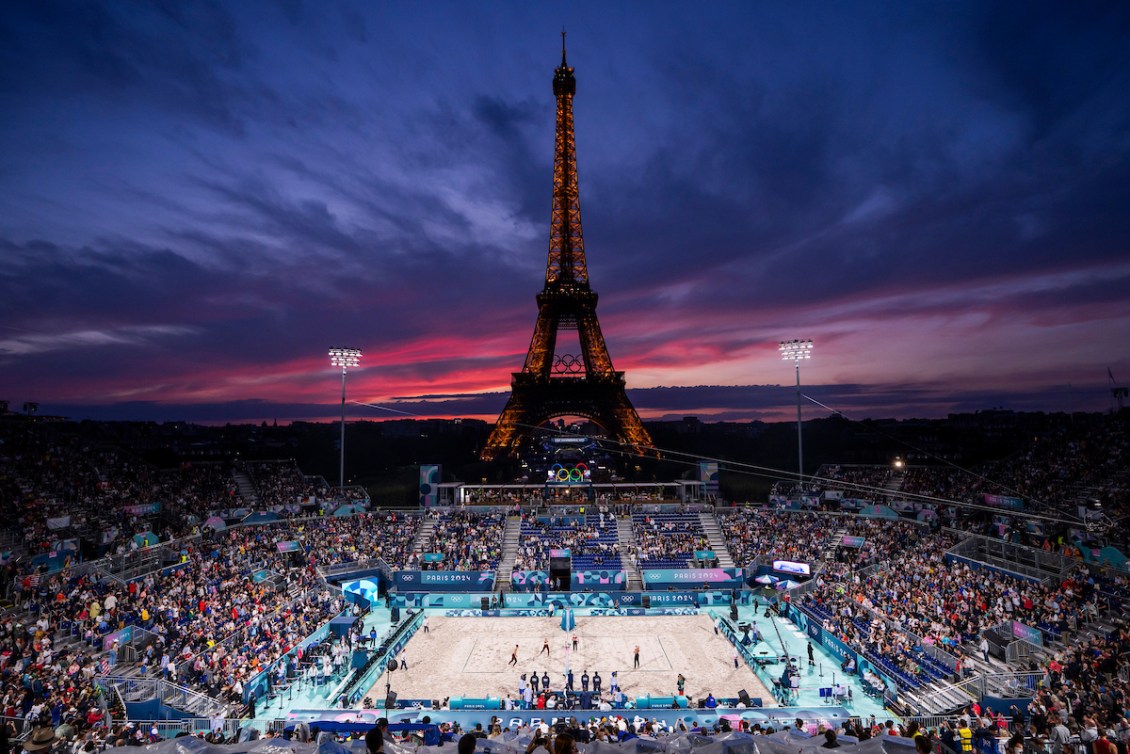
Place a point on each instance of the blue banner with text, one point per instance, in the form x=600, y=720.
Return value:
x=444, y=581
x=688, y=578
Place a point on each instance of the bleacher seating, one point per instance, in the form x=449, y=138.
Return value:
x=592, y=544
x=668, y=540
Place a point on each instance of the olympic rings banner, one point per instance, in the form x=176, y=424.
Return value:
x=559, y=474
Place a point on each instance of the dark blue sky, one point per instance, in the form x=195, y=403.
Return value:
x=198, y=199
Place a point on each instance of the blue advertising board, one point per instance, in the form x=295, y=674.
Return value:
x=121, y=636
x=597, y=580
x=528, y=581
x=142, y=509
x=543, y=600
x=444, y=581
x=600, y=581
x=1027, y=633
x=586, y=599
x=462, y=702
x=1004, y=501
x=459, y=600
x=467, y=718
x=731, y=578
x=673, y=598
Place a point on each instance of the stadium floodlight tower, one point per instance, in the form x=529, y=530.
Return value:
x=345, y=358
x=797, y=351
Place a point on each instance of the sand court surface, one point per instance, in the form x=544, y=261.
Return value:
x=470, y=657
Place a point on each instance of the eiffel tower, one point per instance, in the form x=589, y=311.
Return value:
x=552, y=384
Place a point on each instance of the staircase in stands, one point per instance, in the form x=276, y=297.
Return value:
x=246, y=489
x=717, y=541
x=626, y=537
x=424, y=535
x=510, y=539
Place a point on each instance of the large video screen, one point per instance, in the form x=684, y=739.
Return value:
x=793, y=567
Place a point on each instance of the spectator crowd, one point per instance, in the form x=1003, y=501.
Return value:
x=230, y=603
x=469, y=540
x=668, y=540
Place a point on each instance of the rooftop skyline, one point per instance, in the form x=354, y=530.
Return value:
x=197, y=201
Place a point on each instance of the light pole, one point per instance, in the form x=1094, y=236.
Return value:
x=344, y=358
x=796, y=351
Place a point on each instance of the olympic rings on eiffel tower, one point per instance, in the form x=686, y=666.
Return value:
x=568, y=364
x=559, y=473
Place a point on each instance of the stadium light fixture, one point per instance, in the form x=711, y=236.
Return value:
x=346, y=358
x=797, y=351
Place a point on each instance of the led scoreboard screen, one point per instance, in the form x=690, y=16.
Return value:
x=793, y=567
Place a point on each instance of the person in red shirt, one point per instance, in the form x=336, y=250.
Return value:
x=1104, y=745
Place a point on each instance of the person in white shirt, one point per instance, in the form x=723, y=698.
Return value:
x=1122, y=731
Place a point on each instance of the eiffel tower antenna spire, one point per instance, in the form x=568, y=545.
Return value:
x=552, y=385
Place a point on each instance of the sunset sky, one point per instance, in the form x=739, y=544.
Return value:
x=198, y=200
